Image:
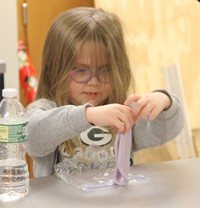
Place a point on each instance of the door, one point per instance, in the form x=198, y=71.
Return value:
x=34, y=19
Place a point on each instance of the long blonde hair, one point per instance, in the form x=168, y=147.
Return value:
x=78, y=26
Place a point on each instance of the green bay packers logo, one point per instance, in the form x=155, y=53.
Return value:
x=96, y=136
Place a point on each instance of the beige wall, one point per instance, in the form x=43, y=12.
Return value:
x=160, y=33
x=8, y=41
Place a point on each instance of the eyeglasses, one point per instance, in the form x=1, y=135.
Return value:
x=84, y=75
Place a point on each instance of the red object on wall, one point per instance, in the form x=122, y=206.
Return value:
x=27, y=73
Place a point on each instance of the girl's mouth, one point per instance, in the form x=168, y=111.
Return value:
x=91, y=95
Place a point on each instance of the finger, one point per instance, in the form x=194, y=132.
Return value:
x=128, y=121
x=120, y=126
x=142, y=102
x=132, y=98
x=145, y=111
x=126, y=113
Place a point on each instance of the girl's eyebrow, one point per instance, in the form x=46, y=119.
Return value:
x=81, y=64
x=88, y=66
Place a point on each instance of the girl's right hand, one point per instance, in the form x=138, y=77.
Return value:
x=114, y=115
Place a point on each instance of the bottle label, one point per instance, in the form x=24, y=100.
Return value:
x=13, y=133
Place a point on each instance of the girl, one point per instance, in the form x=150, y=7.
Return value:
x=82, y=96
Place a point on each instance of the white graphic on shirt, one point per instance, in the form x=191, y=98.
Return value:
x=96, y=136
x=92, y=149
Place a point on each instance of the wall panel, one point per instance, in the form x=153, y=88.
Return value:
x=161, y=33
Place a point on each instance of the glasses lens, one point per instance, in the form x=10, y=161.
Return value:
x=103, y=75
x=80, y=74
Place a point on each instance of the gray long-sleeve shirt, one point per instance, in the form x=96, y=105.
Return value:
x=50, y=126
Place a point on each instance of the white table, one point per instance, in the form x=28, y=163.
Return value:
x=167, y=184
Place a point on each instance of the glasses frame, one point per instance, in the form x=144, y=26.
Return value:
x=91, y=74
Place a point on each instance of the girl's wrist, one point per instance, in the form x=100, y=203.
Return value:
x=168, y=103
x=88, y=114
x=169, y=99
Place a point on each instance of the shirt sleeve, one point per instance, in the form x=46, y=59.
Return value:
x=50, y=125
x=165, y=127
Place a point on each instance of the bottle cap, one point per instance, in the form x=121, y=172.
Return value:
x=9, y=92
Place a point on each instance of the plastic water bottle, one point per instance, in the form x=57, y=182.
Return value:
x=14, y=175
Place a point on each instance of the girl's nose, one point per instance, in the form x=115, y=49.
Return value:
x=93, y=81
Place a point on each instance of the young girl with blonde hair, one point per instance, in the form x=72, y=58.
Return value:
x=82, y=96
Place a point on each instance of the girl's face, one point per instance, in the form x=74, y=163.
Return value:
x=90, y=59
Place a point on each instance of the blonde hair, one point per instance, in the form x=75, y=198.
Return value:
x=74, y=27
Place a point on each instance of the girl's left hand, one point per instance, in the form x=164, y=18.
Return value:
x=149, y=105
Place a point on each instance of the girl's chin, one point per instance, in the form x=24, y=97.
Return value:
x=93, y=102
